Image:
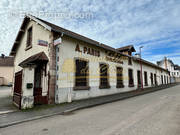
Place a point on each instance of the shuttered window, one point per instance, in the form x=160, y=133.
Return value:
x=131, y=80
x=119, y=74
x=104, y=77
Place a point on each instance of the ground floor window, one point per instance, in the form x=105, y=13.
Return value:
x=162, y=79
x=104, y=76
x=119, y=74
x=139, y=78
x=151, y=79
x=155, y=79
x=145, y=78
x=131, y=79
x=81, y=74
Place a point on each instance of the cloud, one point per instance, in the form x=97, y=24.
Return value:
x=150, y=23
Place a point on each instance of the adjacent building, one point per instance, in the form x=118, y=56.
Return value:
x=6, y=70
x=172, y=68
x=55, y=65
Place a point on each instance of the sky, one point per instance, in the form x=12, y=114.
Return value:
x=154, y=24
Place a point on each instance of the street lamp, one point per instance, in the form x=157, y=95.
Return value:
x=141, y=66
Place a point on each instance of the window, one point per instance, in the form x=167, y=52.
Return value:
x=119, y=73
x=167, y=80
x=152, y=79
x=29, y=37
x=145, y=78
x=162, y=79
x=131, y=80
x=139, y=78
x=155, y=79
x=81, y=75
x=129, y=61
x=104, y=77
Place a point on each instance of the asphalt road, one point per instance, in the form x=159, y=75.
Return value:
x=156, y=113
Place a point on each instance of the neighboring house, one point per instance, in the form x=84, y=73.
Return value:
x=6, y=70
x=171, y=67
x=55, y=65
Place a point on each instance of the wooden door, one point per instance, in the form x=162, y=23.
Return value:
x=17, y=89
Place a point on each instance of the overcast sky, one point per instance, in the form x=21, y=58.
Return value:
x=155, y=24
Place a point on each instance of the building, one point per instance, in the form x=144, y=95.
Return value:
x=171, y=67
x=55, y=65
x=6, y=70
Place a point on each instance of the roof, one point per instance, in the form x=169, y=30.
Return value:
x=54, y=28
x=7, y=61
x=34, y=59
x=127, y=48
x=149, y=63
x=176, y=67
x=162, y=61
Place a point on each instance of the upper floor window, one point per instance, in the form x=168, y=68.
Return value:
x=129, y=61
x=29, y=37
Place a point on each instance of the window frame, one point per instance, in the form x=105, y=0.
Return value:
x=145, y=78
x=130, y=85
x=122, y=83
x=87, y=87
x=28, y=42
x=108, y=83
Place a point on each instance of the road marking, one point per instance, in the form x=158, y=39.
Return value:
x=4, y=112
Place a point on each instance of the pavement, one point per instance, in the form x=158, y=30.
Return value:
x=44, y=111
x=155, y=113
x=6, y=105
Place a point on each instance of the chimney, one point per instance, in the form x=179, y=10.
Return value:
x=2, y=56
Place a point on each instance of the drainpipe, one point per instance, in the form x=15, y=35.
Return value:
x=141, y=67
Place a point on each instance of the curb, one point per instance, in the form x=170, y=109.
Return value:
x=87, y=106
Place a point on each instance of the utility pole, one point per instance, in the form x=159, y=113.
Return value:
x=141, y=67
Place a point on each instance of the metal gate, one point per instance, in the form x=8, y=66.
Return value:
x=17, y=89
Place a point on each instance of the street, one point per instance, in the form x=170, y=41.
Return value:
x=155, y=113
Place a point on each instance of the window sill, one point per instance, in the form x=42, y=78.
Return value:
x=81, y=88
x=131, y=85
x=104, y=87
x=27, y=48
x=120, y=86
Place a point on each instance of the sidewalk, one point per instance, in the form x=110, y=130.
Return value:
x=44, y=111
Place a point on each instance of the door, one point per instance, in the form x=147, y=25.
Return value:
x=17, y=89
x=38, y=98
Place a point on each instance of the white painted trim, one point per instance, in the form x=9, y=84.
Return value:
x=39, y=22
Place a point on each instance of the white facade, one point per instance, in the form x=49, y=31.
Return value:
x=64, y=68
x=170, y=66
x=66, y=73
